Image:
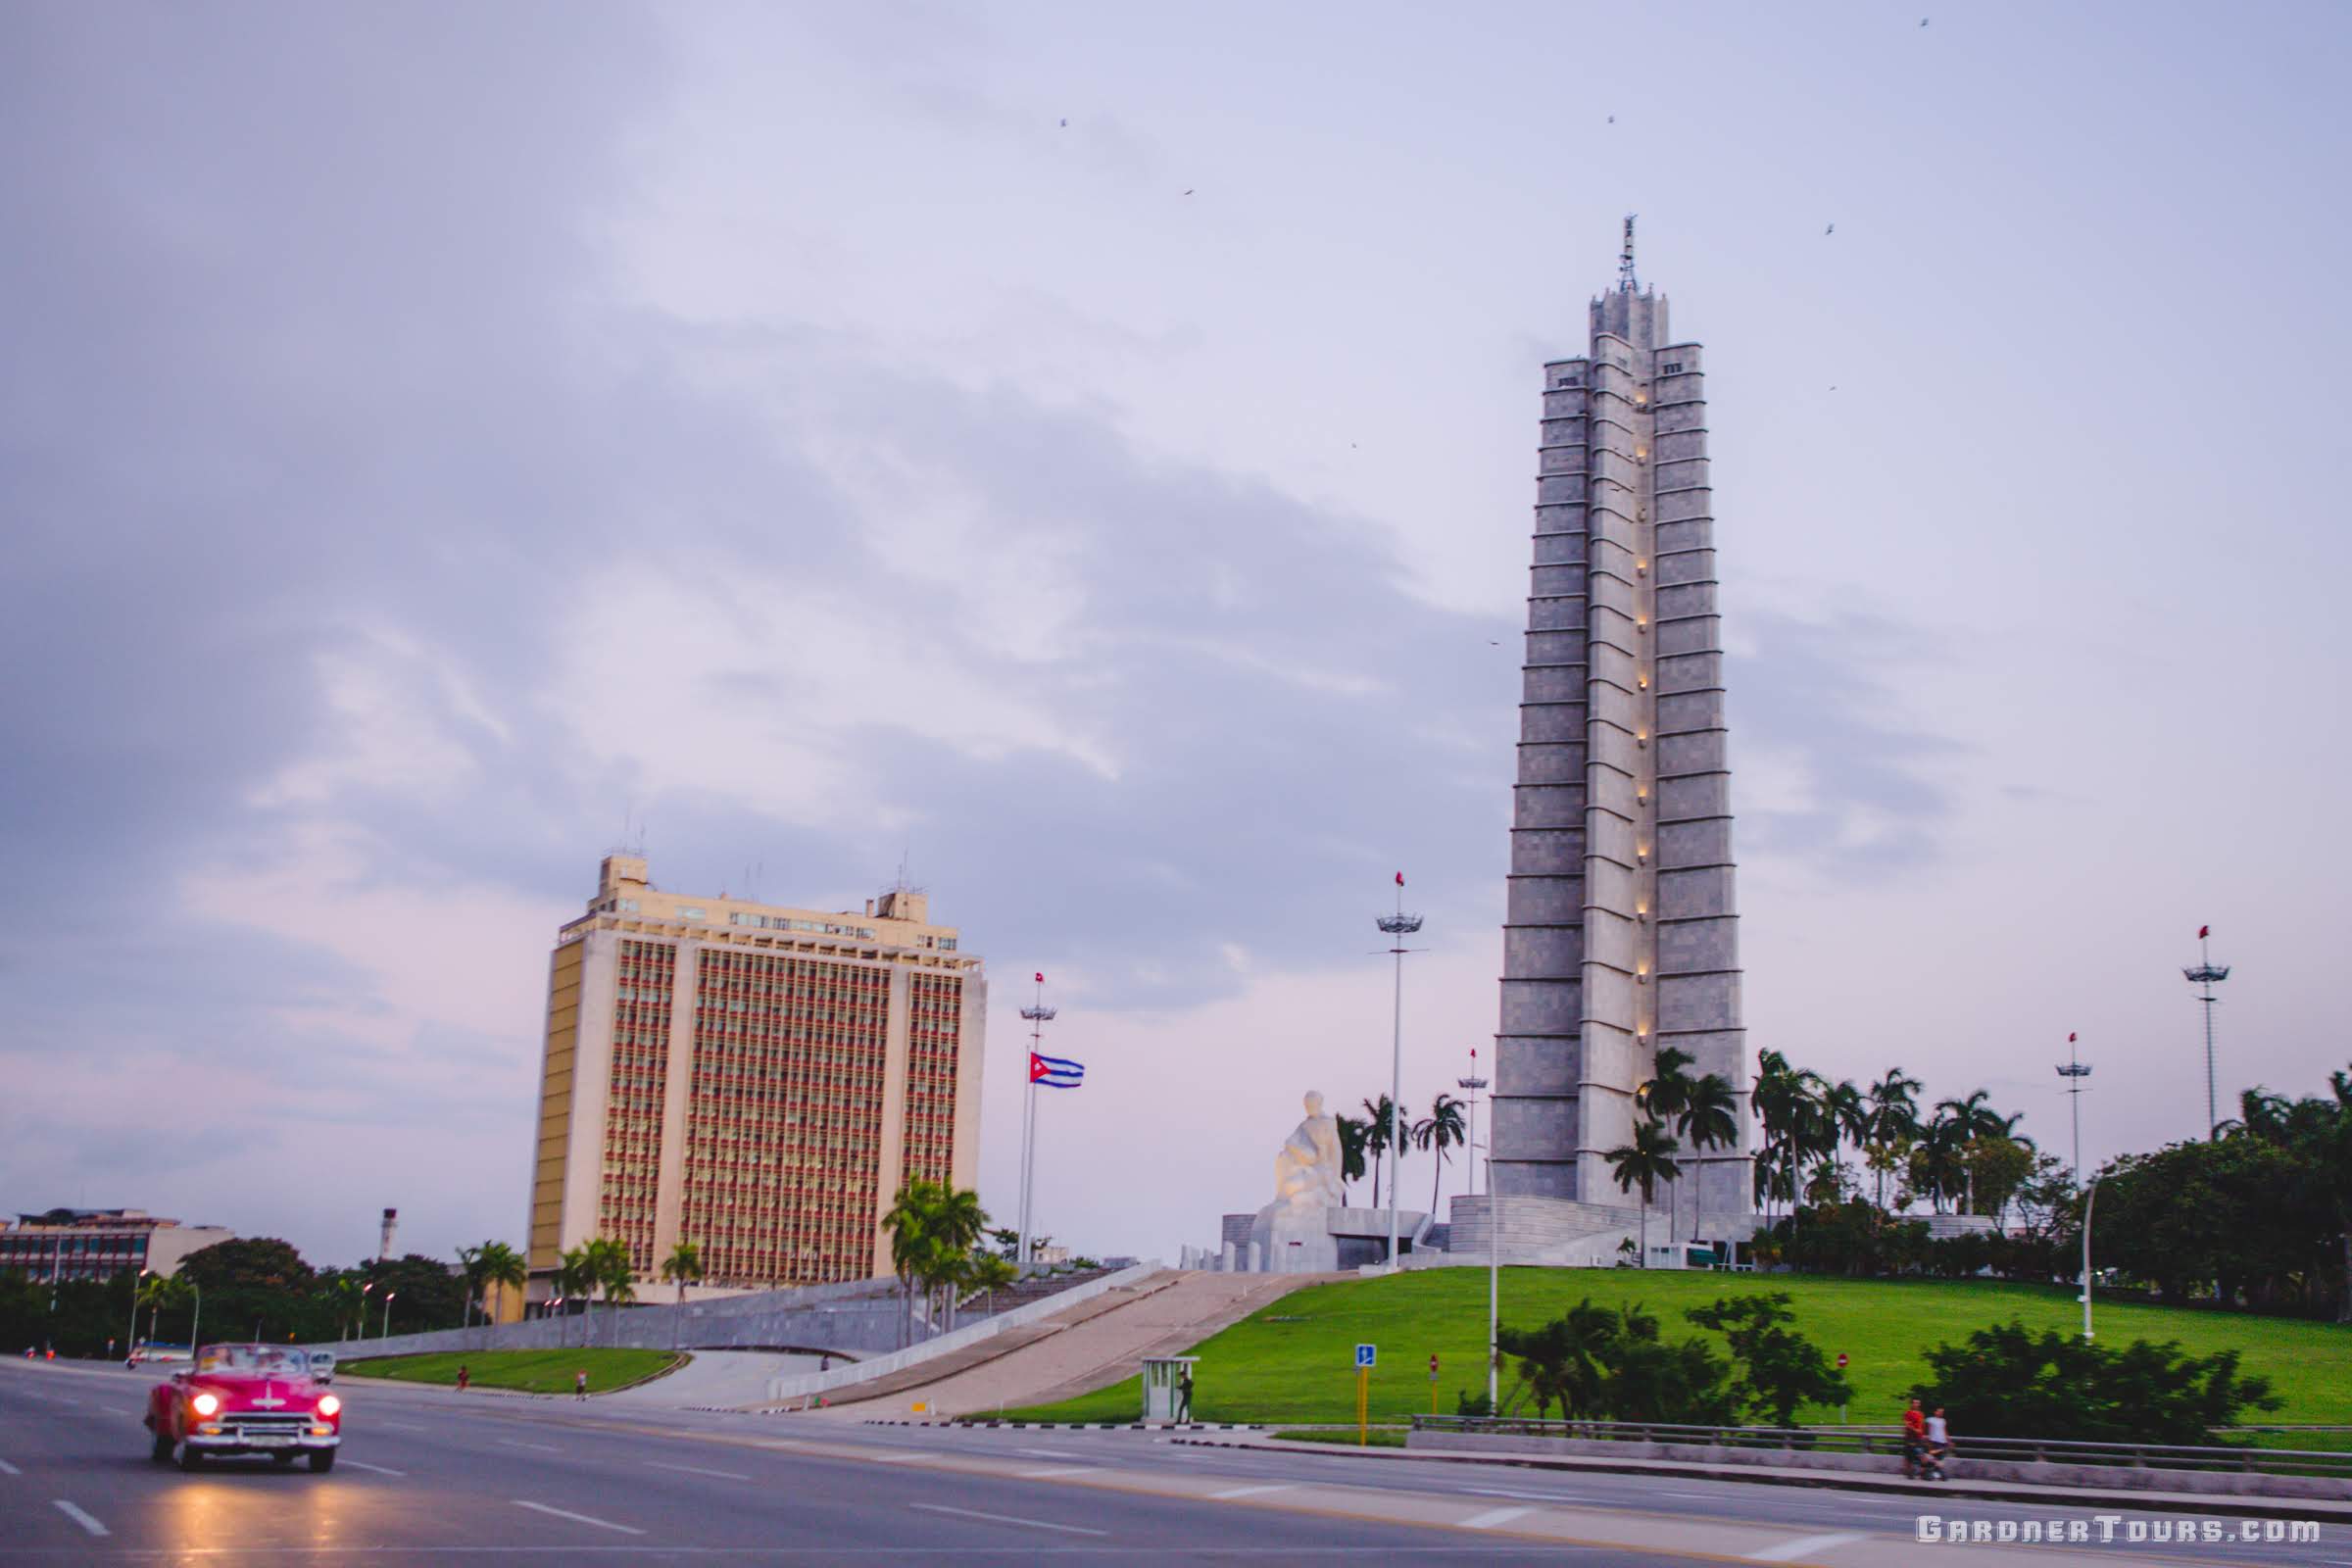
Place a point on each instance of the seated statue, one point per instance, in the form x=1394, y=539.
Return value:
x=1306, y=1172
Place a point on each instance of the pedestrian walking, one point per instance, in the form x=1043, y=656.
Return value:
x=579, y=1383
x=463, y=1377
x=1915, y=1440
x=1939, y=1444
x=1183, y=1396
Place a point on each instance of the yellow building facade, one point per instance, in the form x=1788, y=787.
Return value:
x=758, y=1080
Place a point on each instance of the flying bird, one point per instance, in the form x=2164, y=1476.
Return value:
x=1188, y=193
x=1923, y=21
x=1065, y=124
x=1612, y=120
x=1831, y=230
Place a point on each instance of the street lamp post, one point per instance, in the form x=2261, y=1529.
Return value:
x=1398, y=926
x=2074, y=1071
x=131, y=1346
x=2090, y=1196
x=1494, y=1283
x=195, y=1317
x=386, y=1331
x=359, y=1329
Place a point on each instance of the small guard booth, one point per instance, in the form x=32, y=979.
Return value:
x=1162, y=1375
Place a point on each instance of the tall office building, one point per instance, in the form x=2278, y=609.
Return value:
x=756, y=1080
x=1621, y=935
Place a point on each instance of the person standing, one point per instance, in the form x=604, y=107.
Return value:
x=579, y=1383
x=463, y=1377
x=1915, y=1440
x=1939, y=1444
x=1183, y=1394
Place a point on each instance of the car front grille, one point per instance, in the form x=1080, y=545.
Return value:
x=261, y=1423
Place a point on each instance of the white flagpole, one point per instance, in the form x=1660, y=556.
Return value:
x=1036, y=1013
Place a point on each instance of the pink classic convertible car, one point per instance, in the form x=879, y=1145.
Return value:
x=245, y=1398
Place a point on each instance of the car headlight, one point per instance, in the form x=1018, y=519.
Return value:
x=329, y=1406
x=205, y=1404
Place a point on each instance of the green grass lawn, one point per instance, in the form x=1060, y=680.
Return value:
x=1294, y=1361
x=532, y=1371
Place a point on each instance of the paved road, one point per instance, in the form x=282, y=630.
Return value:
x=430, y=1477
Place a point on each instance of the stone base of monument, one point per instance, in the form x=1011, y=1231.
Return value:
x=1287, y=1240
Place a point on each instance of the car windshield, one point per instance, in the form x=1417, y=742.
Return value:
x=283, y=1360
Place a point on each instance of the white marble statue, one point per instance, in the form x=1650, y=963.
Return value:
x=1306, y=1172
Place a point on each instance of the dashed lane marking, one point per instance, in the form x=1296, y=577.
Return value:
x=374, y=1469
x=1805, y=1546
x=1493, y=1517
x=1248, y=1491
x=1007, y=1519
x=6, y=1469
x=893, y=1458
x=78, y=1517
x=578, y=1518
x=1050, y=1453
x=402, y=1426
x=516, y=1443
x=1051, y=1471
x=698, y=1470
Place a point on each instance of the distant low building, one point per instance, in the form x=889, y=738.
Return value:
x=97, y=1243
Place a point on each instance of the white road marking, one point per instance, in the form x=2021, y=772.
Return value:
x=1052, y=1471
x=698, y=1470
x=1493, y=1517
x=1007, y=1519
x=6, y=1469
x=893, y=1458
x=1529, y=1496
x=376, y=1469
x=1805, y=1546
x=1248, y=1491
x=515, y=1442
x=581, y=1518
x=1050, y=1453
x=401, y=1426
x=78, y=1517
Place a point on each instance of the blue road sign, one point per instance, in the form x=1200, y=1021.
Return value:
x=1367, y=1356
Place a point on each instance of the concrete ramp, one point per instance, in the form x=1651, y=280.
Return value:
x=714, y=1380
x=1094, y=1345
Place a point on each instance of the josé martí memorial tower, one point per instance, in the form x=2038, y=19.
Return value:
x=1622, y=931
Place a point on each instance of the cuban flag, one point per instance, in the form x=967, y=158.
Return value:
x=1056, y=1073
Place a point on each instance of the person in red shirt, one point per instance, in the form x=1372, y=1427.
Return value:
x=1915, y=1439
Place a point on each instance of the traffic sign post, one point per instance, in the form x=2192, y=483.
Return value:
x=1841, y=1403
x=1433, y=1384
x=1367, y=1358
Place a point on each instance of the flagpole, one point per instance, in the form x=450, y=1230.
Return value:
x=1038, y=1013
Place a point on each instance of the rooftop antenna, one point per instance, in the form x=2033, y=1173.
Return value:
x=2207, y=974
x=1625, y=257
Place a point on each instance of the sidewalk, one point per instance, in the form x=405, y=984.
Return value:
x=2231, y=1506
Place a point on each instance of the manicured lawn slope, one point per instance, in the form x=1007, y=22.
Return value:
x=1293, y=1361
x=532, y=1371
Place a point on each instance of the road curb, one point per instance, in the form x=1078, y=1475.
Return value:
x=1080, y=1426
x=2223, y=1504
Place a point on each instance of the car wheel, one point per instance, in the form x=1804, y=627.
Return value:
x=160, y=1449
x=321, y=1462
x=191, y=1458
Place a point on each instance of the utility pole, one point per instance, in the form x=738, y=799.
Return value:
x=1039, y=1016
x=1398, y=926
x=2207, y=974
x=2075, y=1071
x=1471, y=1086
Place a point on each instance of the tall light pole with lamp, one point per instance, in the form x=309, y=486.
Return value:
x=1471, y=1086
x=1038, y=1015
x=1398, y=926
x=131, y=1346
x=2074, y=1071
x=387, y=1330
x=2090, y=1196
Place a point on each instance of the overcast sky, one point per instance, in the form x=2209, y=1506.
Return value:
x=434, y=439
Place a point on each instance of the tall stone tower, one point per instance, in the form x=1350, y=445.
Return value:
x=1622, y=934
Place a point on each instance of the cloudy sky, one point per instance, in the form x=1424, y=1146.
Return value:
x=436, y=441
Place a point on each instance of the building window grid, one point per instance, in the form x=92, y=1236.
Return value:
x=636, y=1090
x=788, y=1060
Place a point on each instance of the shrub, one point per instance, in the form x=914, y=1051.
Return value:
x=2009, y=1382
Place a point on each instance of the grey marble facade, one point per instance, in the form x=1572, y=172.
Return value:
x=1621, y=930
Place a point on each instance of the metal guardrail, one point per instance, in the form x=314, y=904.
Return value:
x=1889, y=1444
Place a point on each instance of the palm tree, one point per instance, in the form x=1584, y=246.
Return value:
x=992, y=1274
x=1435, y=1132
x=683, y=1264
x=157, y=1292
x=500, y=1264
x=576, y=1277
x=1645, y=1162
x=1710, y=1119
x=1845, y=1117
x=470, y=1272
x=908, y=1223
x=1383, y=1117
x=1971, y=1120
x=1663, y=1097
x=1893, y=1119
x=611, y=1272
x=1786, y=1103
x=1354, y=1138
x=932, y=1228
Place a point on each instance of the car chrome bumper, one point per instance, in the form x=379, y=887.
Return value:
x=244, y=1443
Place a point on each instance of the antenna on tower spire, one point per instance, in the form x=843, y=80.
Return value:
x=1625, y=258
